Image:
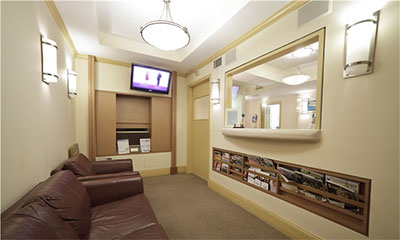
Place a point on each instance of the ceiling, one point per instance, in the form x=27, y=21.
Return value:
x=111, y=29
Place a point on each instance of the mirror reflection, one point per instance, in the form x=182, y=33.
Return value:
x=279, y=93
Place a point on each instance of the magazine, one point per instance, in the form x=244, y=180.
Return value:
x=341, y=191
x=224, y=168
x=217, y=155
x=219, y=166
x=289, y=174
x=226, y=157
x=347, y=206
x=311, y=181
x=315, y=175
x=315, y=196
x=273, y=186
x=215, y=164
x=347, y=184
x=237, y=159
x=268, y=163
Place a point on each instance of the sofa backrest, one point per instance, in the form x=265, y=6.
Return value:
x=80, y=165
x=36, y=220
x=65, y=195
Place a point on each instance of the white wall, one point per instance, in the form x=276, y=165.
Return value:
x=37, y=121
x=112, y=77
x=360, y=121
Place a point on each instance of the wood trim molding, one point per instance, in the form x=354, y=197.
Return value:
x=92, y=107
x=58, y=19
x=289, y=8
x=289, y=229
x=114, y=62
x=173, y=123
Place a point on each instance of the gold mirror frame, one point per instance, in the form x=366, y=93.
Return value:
x=299, y=43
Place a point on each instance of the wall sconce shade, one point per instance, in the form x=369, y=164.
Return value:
x=215, y=91
x=360, y=47
x=71, y=84
x=49, y=60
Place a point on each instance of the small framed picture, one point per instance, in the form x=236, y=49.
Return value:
x=123, y=146
x=145, y=145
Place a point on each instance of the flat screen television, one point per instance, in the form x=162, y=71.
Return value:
x=150, y=79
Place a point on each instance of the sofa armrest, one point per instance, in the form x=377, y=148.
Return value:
x=107, y=175
x=112, y=189
x=112, y=166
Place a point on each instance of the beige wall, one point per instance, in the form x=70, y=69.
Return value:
x=253, y=107
x=82, y=105
x=360, y=122
x=37, y=119
x=113, y=77
x=288, y=110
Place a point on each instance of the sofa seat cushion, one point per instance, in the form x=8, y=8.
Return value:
x=36, y=220
x=121, y=218
x=80, y=165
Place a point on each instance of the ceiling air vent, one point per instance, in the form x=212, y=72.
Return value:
x=218, y=62
x=230, y=57
x=312, y=10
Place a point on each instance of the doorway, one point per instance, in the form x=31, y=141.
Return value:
x=199, y=140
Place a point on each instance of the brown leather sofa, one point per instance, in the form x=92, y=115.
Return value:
x=62, y=207
x=86, y=170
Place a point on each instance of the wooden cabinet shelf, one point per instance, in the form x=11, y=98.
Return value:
x=341, y=198
x=126, y=111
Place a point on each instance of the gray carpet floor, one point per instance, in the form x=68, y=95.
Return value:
x=188, y=209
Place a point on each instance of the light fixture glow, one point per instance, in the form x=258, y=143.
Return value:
x=302, y=52
x=296, y=79
x=49, y=60
x=304, y=106
x=360, y=47
x=215, y=92
x=165, y=34
x=71, y=84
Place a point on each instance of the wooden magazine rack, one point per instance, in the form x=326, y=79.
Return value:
x=343, y=206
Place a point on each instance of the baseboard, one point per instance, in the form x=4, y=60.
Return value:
x=289, y=229
x=160, y=171
x=181, y=169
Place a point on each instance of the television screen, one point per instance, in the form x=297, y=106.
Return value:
x=150, y=79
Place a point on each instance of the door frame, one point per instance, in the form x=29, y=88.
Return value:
x=189, y=120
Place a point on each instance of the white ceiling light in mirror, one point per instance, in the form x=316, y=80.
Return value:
x=305, y=51
x=296, y=79
x=164, y=33
x=302, y=52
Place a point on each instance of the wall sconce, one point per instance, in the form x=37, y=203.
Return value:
x=360, y=47
x=49, y=60
x=215, y=91
x=71, y=84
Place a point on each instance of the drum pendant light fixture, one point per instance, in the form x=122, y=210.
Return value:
x=164, y=33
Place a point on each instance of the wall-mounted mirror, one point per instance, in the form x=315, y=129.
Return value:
x=279, y=90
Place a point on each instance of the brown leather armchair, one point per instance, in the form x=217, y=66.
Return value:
x=87, y=170
x=62, y=207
